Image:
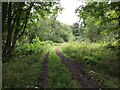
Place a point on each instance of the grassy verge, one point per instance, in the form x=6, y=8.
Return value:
x=22, y=69
x=22, y=72
x=58, y=75
x=101, y=61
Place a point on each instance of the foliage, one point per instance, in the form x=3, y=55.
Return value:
x=59, y=76
x=30, y=29
x=24, y=67
x=22, y=71
x=15, y=20
x=29, y=48
x=99, y=21
x=50, y=29
x=97, y=57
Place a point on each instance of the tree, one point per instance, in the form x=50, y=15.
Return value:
x=75, y=28
x=15, y=20
x=103, y=16
x=50, y=29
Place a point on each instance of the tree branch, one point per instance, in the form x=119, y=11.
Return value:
x=26, y=20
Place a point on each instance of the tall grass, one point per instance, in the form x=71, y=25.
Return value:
x=24, y=67
x=97, y=57
x=22, y=72
x=59, y=76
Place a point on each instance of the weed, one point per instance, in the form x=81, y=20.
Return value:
x=59, y=76
x=97, y=57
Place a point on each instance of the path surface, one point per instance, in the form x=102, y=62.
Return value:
x=42, y=81
x=78, y=72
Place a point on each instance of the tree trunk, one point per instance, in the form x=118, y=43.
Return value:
x=12, y=48
x=4, y=13
x=15, y=34
x=26, y=20
x=9, y=32
x=17, y=31
x=118, y=48
x=10, y=45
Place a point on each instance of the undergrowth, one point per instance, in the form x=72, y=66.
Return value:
x=98, y=57
x=22, y=69
x=59, y=76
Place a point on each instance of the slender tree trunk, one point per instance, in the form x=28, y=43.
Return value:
x=118, y=48
x=9, y=32
x=26, y=19
x=12, y=48
x=10, y=45
x=4, y=13
x=18, y=30
x=15, y=34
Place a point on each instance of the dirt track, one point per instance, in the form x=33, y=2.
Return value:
x=78, y=72
x=42, y=81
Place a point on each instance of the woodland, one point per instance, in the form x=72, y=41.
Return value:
x=38, y=51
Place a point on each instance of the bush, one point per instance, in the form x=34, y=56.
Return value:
x=29, y=48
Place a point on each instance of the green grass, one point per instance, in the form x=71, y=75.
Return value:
x=98, y=58
x=59, y=76
x=22, y=70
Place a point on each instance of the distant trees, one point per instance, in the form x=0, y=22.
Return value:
x=51, y=29
x=75, y=29
x=15, y=18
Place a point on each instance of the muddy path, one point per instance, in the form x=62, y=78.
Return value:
x=78, y=72
x=42, y=81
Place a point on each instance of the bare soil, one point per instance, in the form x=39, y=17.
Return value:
x=42, y=81
x=78, y=72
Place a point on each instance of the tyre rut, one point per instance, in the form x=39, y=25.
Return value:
x=42, y=81
x=78, y=72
